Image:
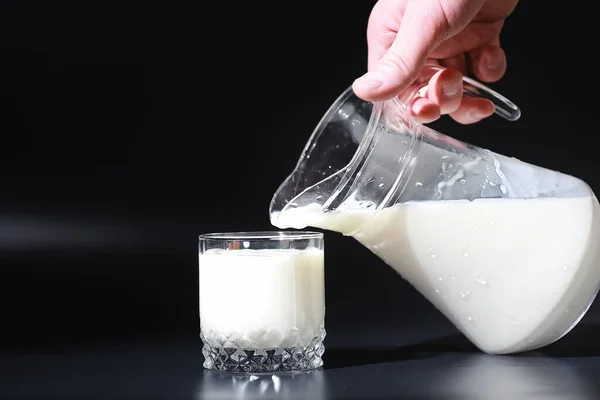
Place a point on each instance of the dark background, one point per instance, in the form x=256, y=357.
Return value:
x=129, y=128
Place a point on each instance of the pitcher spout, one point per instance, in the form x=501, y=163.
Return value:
x=298, y=192
x=359, y=157
x=320, y=178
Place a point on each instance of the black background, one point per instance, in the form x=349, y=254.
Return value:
x=128, y=128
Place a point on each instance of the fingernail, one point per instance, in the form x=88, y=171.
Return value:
x=477, y=115
x=493, y=60
x=370, y=81
x=452, y=88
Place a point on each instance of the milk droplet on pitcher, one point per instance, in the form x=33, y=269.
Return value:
x=481, y=281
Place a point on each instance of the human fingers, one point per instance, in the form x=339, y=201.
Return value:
x=458, y=62
x=472, y=110
x=488, y=63
x=445, y=89
x=424, y=25
x=475, y=35
x=424, y=110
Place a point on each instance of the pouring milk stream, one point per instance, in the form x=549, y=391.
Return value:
x=509, y=252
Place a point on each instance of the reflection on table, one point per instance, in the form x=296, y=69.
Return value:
x=306, y=385
x=531, y=376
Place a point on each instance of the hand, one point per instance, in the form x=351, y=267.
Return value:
x=404, y=35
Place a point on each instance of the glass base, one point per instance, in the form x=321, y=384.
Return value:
x=235, y=359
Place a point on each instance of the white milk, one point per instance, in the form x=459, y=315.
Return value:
x=511, y=274
x=261, y=299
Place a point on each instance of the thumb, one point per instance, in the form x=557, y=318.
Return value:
x=425, y=24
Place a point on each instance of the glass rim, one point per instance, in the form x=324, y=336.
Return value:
x=261, y=235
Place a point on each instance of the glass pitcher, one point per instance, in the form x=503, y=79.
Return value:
x=506, y=250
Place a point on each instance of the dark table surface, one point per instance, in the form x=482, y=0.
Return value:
x=441, y=367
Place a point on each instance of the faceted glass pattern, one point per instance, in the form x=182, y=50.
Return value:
x=226, y=356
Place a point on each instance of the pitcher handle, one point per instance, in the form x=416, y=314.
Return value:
x=503, y=106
